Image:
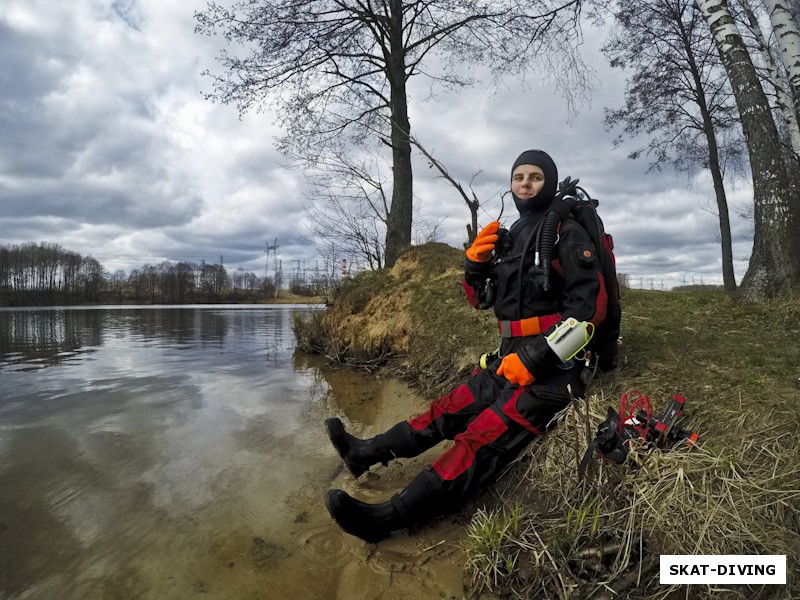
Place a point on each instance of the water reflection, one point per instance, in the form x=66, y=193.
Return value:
x=129, y=436
x=162, y=453
x=40, y=338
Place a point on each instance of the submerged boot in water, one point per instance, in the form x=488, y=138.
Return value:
x=425, y=497
x=370, y=522
x=359, y=455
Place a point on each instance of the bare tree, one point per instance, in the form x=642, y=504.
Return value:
x=473, y=203
x=348, y=205
x=775, y=261
x=45, y=273
x=678, y=94
x=117, y=282
x=340, y=68
x=91, y=275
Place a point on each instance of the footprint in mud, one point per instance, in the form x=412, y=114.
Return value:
x=264, y=554
x=325, y=548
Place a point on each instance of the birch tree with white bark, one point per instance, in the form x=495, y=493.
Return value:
x=778, y=79
x=788, y=36
x=775, y=261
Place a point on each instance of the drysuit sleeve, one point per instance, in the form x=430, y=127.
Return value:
x=478, y=283
x=584, y=295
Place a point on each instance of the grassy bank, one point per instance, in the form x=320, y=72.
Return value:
x=549, y=534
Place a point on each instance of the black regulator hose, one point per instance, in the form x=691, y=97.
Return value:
x=559, y=209
x=546, y=234
x=535, y=232
x=548, y=245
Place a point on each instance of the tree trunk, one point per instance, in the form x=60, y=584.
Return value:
x=728, y=275
x=774, y=264
x=398, y=222
x=782, y=86
x=788, y=35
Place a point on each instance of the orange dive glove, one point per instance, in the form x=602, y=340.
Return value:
x=481, y=249
x=512, y=369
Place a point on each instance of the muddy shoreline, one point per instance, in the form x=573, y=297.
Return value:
x=416, y=565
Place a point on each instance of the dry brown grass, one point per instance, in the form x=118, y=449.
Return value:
x=601, y=536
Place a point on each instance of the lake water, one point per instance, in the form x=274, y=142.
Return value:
x=159, y=452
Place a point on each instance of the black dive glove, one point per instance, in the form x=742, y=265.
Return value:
x=565, y=198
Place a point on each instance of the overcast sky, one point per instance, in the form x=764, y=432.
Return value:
x=108, y=148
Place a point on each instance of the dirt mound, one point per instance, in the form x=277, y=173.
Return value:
x=414, y=314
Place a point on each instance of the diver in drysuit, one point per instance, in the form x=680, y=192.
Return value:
x=502, y=408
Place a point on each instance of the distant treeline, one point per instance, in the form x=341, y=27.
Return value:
x=46, y=274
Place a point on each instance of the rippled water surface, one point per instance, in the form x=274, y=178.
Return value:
x=134, y=442
x=179, y=453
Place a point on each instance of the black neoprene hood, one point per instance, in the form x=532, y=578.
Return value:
x=542, y=160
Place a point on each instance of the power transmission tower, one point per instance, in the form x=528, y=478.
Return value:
x=274, y=249
x=277, y=279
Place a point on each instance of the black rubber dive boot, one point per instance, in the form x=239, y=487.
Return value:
x=370, y=522
x=359, y=455
x=423, y=498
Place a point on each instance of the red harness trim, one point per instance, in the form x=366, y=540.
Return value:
x=470, y=292
x=601, y=303
x=529, y=326
x=510, y=410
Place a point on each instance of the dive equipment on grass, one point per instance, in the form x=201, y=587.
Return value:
x=635, y=421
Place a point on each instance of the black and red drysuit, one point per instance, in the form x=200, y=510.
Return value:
x=490, y=419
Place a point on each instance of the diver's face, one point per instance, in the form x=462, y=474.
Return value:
x=527, y=181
